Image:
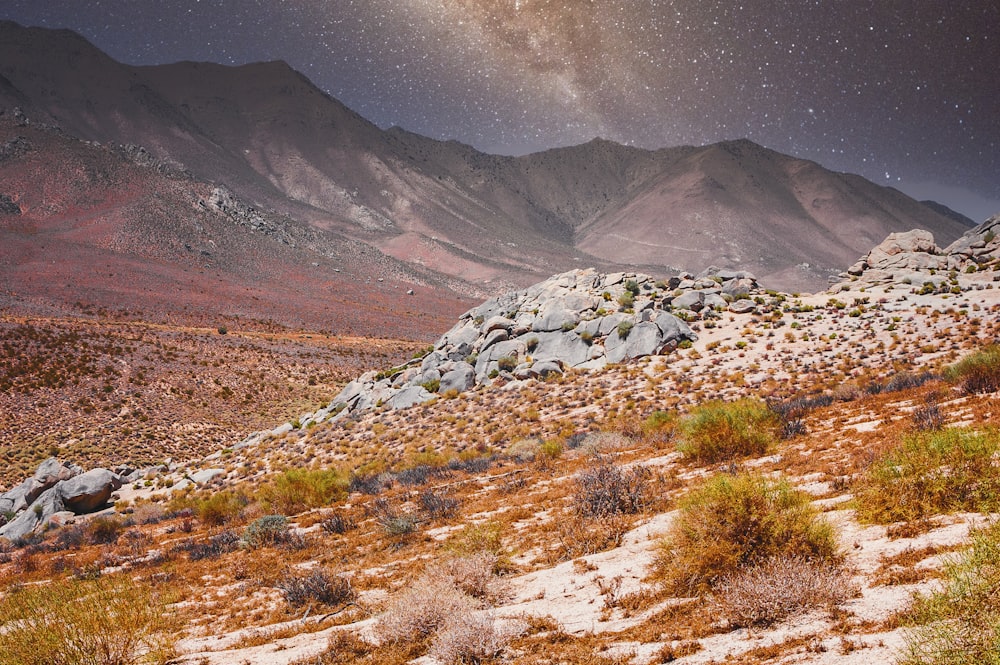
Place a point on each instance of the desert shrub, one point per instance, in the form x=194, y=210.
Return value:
x=624, y=328
x=265, y=531
x=581, y=535
x=217, y=545
x=780, y=587
x=220, y=507
x=473, y=638
x=317, y=585
x=111, y=620
x=507, y=363
x=69, y=537
x=103, y=530
x=978, y=372
x=475, y=575
x=720, y=431
x=928, y=417
x=483, y=537
x=394, y=523
x=959, y=624
x=421, y=608
x=295, y=490
x=438, y=504
x=608, y=489
x=733, y=522
x=626, y=299
x=337, y=523
x=931, y=473
x=148, y=513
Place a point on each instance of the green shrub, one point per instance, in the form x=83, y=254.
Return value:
x=507, y=363
x=626, y=299
x=624, y=328
x=960, y=624
x=735, y=522
x=720, y=431
x=978, y=372
x=220, y=507
x=931, y=473
x=111, y=620
x=431, y=386
x=266, y=530
x=295, y=490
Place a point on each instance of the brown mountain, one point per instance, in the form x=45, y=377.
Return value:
x=440, y=214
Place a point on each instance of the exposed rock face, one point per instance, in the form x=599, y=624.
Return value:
x=88, y=491
x=577, y=320
x=913, y=258
x=55, y=487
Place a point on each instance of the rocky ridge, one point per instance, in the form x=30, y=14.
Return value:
x=579, y=319
x=914, y=258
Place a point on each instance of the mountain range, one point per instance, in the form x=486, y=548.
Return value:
x=202, y=189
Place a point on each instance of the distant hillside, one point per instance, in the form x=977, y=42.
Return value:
x=461, y=221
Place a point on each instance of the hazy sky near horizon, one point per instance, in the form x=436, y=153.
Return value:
x=903, y=92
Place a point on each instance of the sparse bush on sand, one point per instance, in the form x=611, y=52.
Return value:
x=781, y=587
x=978, y=372
x=111, y=620
x=317, y=585
x=416, y=612
x=930, y=473
x=473, y=638
x=721, y=431
x=959, y=624
x=735, y=522
x=608, y=489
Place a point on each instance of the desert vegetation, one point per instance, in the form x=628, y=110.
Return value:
x=659, y=510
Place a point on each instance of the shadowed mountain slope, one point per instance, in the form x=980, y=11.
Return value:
x=480, y=222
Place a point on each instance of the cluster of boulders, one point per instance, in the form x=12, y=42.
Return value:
x=580, y=319
x=57, y=491
x=913, y=257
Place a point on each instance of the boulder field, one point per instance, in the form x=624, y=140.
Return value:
x=579, y=319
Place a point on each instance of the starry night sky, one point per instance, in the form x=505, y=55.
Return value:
x=904, y=92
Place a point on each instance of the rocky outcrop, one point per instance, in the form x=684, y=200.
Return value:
x=913, y=257
x=577, y=320
x=54, y=488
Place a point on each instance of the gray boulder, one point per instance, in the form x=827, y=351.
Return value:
x=88, y=491
x=46, y=505
x=462, y=378
x=410, y=396
x=555, y=318
x=567, y=347
x=692, y=300
x=673, y=329
x=743, y=306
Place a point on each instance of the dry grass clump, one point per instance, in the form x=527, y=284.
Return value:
x=780, y=587
x=416, y=612
x=608, y=489
x=931, y=473
x=105, y=621
x=735, y=522
x=473, y=638
x=960, y=623
x=720, y=431
x=475, y=575
x=978, y=372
